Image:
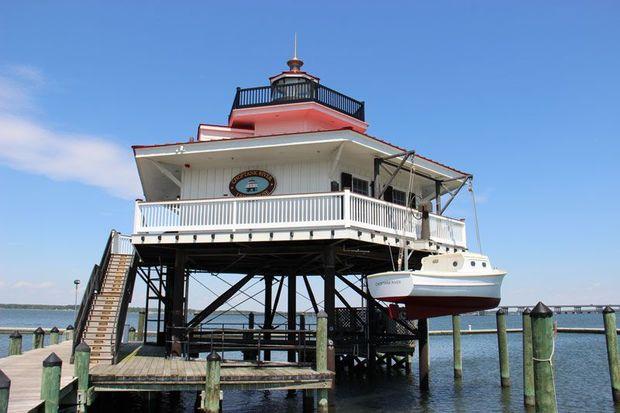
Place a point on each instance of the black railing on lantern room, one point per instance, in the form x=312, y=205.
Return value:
x=298, y=92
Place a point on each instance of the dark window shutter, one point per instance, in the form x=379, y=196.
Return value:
x=387, y=195
x=346, y=181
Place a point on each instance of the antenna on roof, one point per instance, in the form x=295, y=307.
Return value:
x=295, y=63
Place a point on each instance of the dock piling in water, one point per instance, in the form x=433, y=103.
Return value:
x=15, y=343
x=141, y=323
x=131, y=336
x=502, y=344
x=81, y=371
x=611, y=335
x=54, y=335
x=542, y=350
x=5, y=388
x=423, y=354
x=211, y=399
x=38, y=338
x=528, y=362
x=50, y=383
x=456, y=346
x=321, y=358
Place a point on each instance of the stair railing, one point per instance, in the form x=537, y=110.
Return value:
x=94, y=285
x=121, y=309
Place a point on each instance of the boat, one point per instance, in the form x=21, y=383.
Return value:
x=447, y=284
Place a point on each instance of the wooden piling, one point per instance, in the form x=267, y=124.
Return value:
x=249, y=354
x=54, y=335
x=5, y=388
x=69, y=332
x=528, y=362
x=131, y=335
x=81, y=371
x=50, y=383
x=15, y=343
x=423, y=354
x=456, y=346
x=502, y=344
x=609, y=318
x=542, y=350
x=38, y=338
x=321, y=358
x=211, y=399
x=141, y=324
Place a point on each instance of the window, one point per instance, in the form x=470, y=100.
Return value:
x=359, y=186
x=399, y=197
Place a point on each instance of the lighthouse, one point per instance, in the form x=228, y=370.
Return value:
x=289, y=192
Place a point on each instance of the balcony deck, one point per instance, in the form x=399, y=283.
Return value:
x=296, y=93
x=317, y=216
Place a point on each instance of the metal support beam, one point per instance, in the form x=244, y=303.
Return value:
x=219, y=301
x=292, y=314
x=453, y=195
x=267, y=311
x=277, y=300
x=315, y=306
x=329, y=302
x=438, y=197
x=394, y=173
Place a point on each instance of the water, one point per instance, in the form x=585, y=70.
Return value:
x=582, y=378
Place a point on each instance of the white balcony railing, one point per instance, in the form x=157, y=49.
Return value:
x=283, y=212
x=121, y=244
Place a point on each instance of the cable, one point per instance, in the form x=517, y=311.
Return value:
x=470, y=188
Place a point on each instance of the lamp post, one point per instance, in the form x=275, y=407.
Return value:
x=77, y=286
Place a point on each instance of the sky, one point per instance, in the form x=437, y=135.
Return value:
x=524, y=95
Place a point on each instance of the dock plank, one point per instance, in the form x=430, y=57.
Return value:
x=25, y=374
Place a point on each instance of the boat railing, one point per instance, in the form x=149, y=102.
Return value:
x=284, y=212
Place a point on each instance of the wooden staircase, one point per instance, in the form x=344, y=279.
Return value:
x=101, y=326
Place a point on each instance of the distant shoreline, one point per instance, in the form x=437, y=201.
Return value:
x=71, y=307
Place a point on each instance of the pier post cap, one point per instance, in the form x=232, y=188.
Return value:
x=141, y=312
x=39, y=330
x=54, y=330
x=501, y=311
x=527, y=311
x=52, y=361
x=608, y=310
x=5, y=382
x=70, y=327
x=541, y=311
x=132, y=328
x=15, y=334
x=83, y=347
x=214, y=356
x=321, y=314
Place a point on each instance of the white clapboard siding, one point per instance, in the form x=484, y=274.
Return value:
x=291, y=178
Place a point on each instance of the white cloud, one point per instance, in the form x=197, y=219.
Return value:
x=30, y=146
x=32, y=286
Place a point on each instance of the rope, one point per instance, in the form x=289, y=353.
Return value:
x=470, y=188
x=402, y=252
x=550, y=361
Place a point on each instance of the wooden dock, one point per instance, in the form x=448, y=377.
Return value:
x=147, y=370
x=25, y=374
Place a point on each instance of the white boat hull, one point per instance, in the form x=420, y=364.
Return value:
x=434, y=293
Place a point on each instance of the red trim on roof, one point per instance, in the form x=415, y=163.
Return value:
x=134, y=147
